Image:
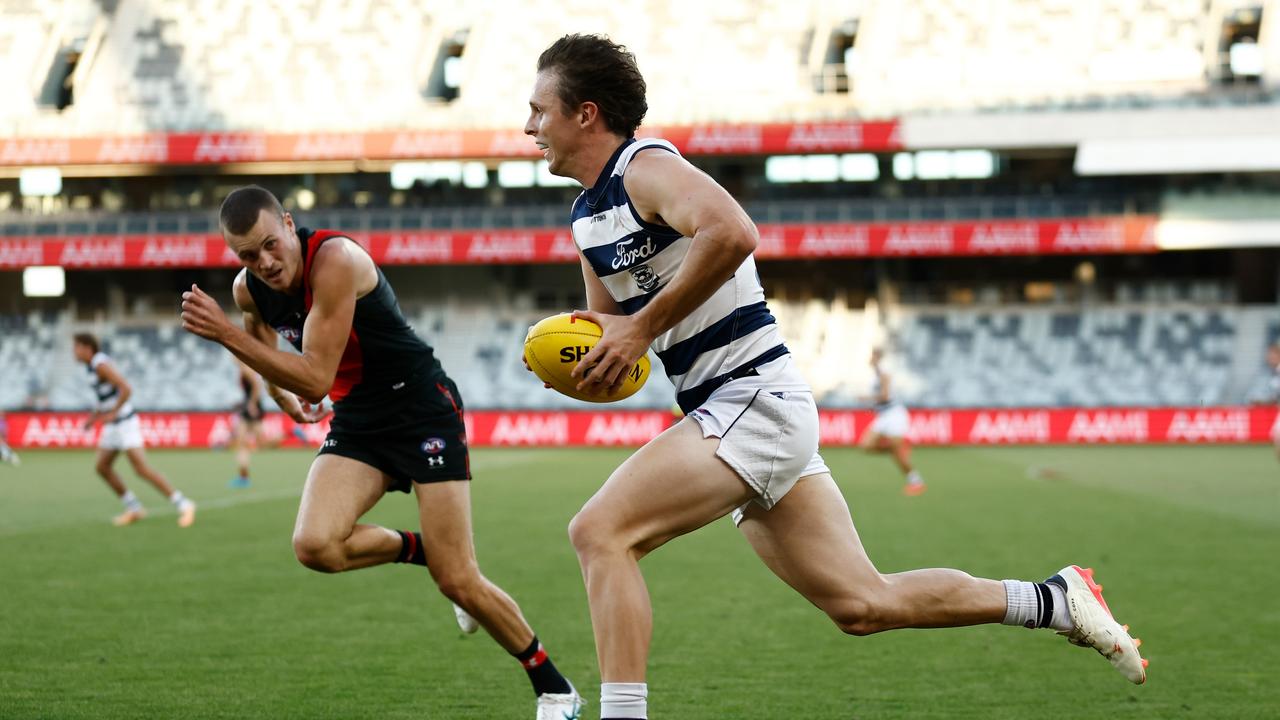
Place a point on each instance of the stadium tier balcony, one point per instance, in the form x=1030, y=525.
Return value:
x=80, y=223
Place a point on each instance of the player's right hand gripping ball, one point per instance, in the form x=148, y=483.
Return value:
x=554, y=346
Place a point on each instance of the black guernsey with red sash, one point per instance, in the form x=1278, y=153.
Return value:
x=383, y=353
x=393, y=406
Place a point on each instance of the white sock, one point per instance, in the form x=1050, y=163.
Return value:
x=130, y=501
x=624, y=700
x=177, y=498
x=913, y=478
x=1023, y=604
x=1026, y=605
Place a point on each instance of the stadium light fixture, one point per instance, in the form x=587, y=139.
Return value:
x=1245, y=59
x=859, y=167
x=516, y=174
x=784, y=168
x=452, y=72
x=44, y=281
x=475, y=175
x=39, y=181
x=305, y=198
x=973, y=164
x=904, y=166
x=821, y=168
x=405, y=174
x=933, y=165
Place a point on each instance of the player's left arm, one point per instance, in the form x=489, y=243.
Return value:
x=666, y=189
x=309, y=375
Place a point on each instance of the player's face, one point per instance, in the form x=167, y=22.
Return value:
x=270, y=250
x=549, y=124
x=83, y=353
x=1273, y=357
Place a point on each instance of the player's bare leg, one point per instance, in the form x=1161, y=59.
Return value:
x=900, y=450
x=445, y=510
x=184, y=506
x=808, y=540
x=104, y=465
x=326, y=536
x=872, y=442
x=671, y=486
x=243, y=440
x=138, y=459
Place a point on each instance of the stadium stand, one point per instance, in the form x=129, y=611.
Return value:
x=1133, y=354
x=946, y=54
x=335, y=65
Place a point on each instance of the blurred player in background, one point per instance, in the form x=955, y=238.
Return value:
x=1273, y=361
x=7, y=455
x=246, y=433
x=888, y=432
x=121, y=431
x=397, y=422
x=666, y=258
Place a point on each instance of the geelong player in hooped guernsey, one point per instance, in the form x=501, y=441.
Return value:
x=731, y=334
x=122, y=432
x=666, y=257
x=397, y=417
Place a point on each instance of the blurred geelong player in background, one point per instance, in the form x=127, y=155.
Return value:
x=667, y=261
x=1273, y=361
x=121, y=431
x=397, y=422
x=7, y=454
x=888, y=432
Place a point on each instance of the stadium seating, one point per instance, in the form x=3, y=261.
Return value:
x=1159, y=353
x=949, y=54
x=316, y=65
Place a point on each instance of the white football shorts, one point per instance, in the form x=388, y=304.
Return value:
x=768, y=430
x=894, y=421
x=121, y=435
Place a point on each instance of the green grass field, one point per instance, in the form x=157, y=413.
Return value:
x=220, y=621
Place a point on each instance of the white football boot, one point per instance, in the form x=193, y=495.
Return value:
x=561, y=706
x=1095, y=626
x=466, y=623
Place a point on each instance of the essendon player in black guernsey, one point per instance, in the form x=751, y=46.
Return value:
x=397, y=421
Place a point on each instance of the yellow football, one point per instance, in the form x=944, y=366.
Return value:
x=554, y=346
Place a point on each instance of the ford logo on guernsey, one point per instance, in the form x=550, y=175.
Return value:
x=627, y=256
x=433, y=446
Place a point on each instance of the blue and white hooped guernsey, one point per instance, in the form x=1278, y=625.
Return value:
x=727, y=337
x=105, y=392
